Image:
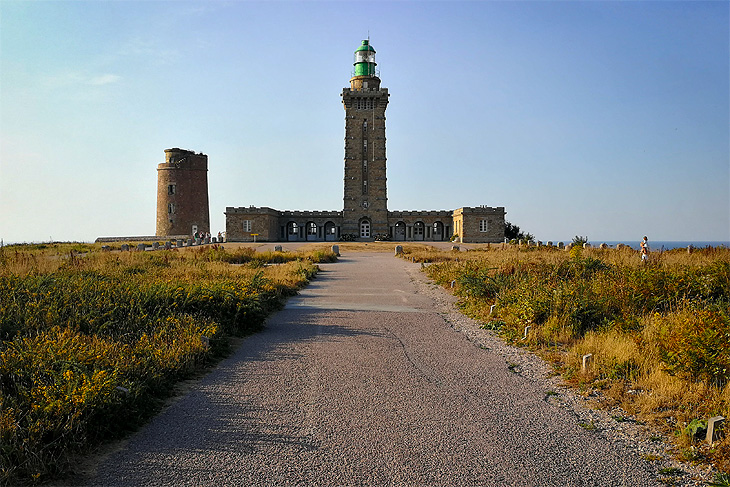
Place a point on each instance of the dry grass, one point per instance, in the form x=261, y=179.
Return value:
x=659, y=333
x=91, y=342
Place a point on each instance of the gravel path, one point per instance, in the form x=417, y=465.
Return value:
x=370, y=378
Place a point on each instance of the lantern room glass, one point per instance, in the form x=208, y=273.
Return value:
x=364, y=57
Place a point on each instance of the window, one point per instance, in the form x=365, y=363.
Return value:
x=483, y=225
x=293, y=228
x=364, y=103
x=170, y=189
x=246, y=225
x=312, y=228
x=171, y=208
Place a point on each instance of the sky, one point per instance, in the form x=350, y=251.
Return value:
x=602, y=119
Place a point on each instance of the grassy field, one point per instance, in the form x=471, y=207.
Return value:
x=91, y=342
x=659, y=333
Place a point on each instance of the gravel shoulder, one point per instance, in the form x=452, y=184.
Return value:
x=615, y=425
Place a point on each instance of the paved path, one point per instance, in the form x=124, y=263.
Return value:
x=359, y=381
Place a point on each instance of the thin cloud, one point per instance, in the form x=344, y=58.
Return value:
x=104, y=79
x=149, y=49
x=77, y=78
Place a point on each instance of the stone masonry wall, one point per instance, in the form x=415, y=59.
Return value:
x=264, y=222
x=182, y=193
x=468, y=226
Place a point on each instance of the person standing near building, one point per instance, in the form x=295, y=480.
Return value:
x=644, y=250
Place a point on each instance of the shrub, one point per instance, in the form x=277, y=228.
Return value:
x=696, y=342
x=88, y=349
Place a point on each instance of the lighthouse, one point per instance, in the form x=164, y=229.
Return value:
x=365, y=203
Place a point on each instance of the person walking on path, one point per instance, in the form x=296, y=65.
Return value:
x=645, y=250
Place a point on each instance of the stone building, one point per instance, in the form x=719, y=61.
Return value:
x=182, y=194
x=365, y=214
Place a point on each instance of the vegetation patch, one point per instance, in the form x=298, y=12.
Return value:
x=659, y=333
x=90, y=346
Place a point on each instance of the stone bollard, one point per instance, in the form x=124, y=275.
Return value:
x=179, y=243
x=214, y=239
x=713, y=424
x=125, y=247
x=398, y=249
x=527, y=330
x=539, y=243
x=586, y=245
x=141, y=247
x=336, y=250
x=453, y=283
x=603, y=246
x=561, y=245
x=455, y=248
x=168, y=245
x=587, y=360
x=105, y=248
x=690, y=248
x=550, y=243
x=207, y=240
x=277, y=248
x=155, y=245
x=190, y=242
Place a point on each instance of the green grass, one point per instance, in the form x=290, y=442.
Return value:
x=90, y=346
x=659, y=333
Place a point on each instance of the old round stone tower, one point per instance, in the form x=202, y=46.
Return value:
x=182, y=194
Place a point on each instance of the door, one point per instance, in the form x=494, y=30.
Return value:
x=400, y=232
x=364, y=229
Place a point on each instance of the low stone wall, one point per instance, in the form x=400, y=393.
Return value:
x=154, y=238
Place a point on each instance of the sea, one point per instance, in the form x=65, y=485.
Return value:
x=659, y=245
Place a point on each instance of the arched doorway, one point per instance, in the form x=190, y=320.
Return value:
x=400, y=232
x=438, y=231
x=418, y=230
x=364, y=228
x=292, y=232
x=330, y=232
x=312, y=231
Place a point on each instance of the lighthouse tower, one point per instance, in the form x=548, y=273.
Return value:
x=365, y=209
